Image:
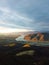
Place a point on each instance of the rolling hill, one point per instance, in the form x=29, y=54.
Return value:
x=37, y=37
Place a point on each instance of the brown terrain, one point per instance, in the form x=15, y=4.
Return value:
x=37, y=37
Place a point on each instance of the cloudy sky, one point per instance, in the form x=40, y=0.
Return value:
x=25, y=14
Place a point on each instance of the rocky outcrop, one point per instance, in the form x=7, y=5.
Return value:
x=37, y=37
x=27, y=37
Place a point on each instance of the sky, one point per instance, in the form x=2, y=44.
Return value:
x=24, y=15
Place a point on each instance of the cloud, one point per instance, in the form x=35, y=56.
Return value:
x=4, y=9
x=13, y=14
x=11, y=18
x=11, y=25
x=28, y=14
x=8, y=24
x=9, y=30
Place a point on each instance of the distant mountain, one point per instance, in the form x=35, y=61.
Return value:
x=25, y=33
x=44, y=36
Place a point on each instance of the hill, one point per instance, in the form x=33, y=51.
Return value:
x=37, y=37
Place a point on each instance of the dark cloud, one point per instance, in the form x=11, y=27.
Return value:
x=32, y=14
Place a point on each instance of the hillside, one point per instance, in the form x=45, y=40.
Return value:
x=37, y=37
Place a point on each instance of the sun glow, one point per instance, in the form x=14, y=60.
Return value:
x=9, y=30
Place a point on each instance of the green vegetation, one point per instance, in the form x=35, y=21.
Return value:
x=10, y=45
x=30, y=52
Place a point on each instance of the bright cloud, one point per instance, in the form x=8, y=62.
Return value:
x=9, y=30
